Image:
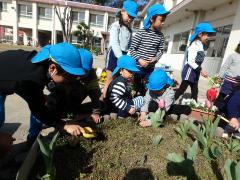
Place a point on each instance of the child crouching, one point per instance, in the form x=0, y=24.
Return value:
x=159, y=87
x=119, y=98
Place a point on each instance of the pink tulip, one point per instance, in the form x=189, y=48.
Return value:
x=208, y=104
x=161, y=104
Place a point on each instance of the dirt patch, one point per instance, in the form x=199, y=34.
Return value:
x=126, y=151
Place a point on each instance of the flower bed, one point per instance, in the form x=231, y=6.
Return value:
x=126, y=151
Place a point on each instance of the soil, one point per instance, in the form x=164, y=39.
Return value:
x=124, y=150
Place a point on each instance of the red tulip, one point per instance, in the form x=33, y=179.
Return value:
x=161, y=104
x=212, y=94
x=208, y=104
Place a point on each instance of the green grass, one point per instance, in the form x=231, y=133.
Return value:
x=124, y=150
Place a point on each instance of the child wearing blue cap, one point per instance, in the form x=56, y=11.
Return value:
x=119, y=98
x=86, y=85
x=194, y=59
x=120, y=38
x=159, y=87
x=230, y=74
x=147, y=45
x=26, y=73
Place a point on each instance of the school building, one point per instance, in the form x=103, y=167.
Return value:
x=31, y=21
x=35, y=21
x=224, y=15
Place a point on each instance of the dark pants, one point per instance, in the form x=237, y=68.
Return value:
x=174, y=109
x=140, y=80
x=184, y=85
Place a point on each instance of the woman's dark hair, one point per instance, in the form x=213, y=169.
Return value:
x=238, y=48
x=121, y=23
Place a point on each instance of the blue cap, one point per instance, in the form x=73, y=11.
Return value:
x=126, y=62
x=130, y=7
x=63, y=54
x=156, y=9
x=86, y=59
x=158, y=79
x=201, y=27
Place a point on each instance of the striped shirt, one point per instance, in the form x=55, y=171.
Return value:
x=118, y=94
x=146, y=44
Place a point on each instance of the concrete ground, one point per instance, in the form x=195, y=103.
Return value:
x=17, y=118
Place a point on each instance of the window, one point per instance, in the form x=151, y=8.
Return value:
x=96, y=20
x=78, y=16
x=180, y=42
x=3, y=6
x=110, y=21
x=166, y=42
x=44, y=13
x=218, y=41
x=25, y=10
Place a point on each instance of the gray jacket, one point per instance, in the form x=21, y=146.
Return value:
x=168, y=97
x=120, y=38
x=231, y=67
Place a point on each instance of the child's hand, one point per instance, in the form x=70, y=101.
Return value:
x=153, y=59
x=234, y=123
x=95, y=118
x=132, y=110
x=73, y=129
x=143, y=63
x=142, y=116
x=204, y=73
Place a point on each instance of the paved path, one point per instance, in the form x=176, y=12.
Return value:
x=17, y=114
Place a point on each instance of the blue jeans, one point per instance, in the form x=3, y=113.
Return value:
x=35, y=124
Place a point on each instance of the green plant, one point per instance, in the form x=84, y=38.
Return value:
x=205, y=135
x=233, y=145
x=184, y=164
x=47, y=151
x=232, y=170
x=157, y=139
x=183, y=129
x=157, y=117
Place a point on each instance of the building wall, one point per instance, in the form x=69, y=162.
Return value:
x=36, y=25
x=219, y=16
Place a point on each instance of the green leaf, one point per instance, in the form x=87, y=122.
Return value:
x=157, y=139
x=237, y=170
x=53, y=141
x=228, y=169
x=44, y=148
x=192, y=151
x=216, y=151
x=214, y=127
x=175, y=157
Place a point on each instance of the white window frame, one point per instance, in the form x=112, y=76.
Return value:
x=46, y=16
x=26, y=13
x=96, y=24
x=4, y=6
x=79, y=20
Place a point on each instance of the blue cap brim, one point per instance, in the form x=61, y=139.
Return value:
x=115, y=71
x=42, y=55
x=132, y=69
x=73, y=71
x=153, y=89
